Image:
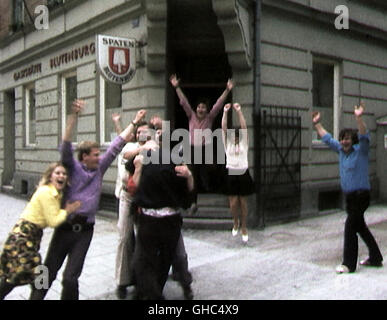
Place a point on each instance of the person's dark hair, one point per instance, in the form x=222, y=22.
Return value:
x=85, y=148
x=351, y=132
x=205, y=101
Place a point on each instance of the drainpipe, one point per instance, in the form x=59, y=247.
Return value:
x=257, y=113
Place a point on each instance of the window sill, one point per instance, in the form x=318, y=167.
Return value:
x=318, y=144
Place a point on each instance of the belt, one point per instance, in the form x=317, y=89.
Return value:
x=77, y=227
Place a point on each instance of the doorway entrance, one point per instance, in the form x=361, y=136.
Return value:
x=196, y=54
x=9, y=138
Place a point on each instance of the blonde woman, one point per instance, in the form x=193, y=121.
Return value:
x=20, y=255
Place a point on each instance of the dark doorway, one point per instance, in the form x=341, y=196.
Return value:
x=196, y=53
x=9, y=137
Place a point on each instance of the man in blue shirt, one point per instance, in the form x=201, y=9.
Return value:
x=353, y=149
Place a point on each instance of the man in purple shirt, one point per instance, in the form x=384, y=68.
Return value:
x=72, y=239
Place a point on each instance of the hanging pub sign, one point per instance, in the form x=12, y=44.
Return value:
x=116, y=58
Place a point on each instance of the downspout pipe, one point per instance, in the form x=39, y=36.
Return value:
x=257, y=113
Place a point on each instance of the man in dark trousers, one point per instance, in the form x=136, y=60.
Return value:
x=353, y=150
x=72, y=239
x=163, y=188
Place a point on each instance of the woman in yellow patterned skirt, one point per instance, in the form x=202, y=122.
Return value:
x=20, y=255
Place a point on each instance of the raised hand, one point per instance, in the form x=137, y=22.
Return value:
x=316, y=117
x=227, y=107
x=174, y=81
x=139, y=116
x=230, y=85
x=78, y=105
x=116, y=117
x=359, y=110
x=237, y=107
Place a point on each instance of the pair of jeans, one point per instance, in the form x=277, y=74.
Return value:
x=74, y=245
x=357, y=203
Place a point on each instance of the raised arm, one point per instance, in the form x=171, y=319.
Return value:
x=316, y=118
x=220, y=102
x=326, y=137
x=226, y=108
x=242, y=121
x=77, y=107
x=224, y=122
x=359, y=110
x=116, y=117
x=126, y=133
x=183, y=99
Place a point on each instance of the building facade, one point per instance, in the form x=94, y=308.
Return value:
x=287, y=58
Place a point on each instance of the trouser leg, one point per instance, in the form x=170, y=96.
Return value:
x=180, y=264
x=74, y=266
x=5, y=288
x=125, y=249
x=357, y=203
x=155, y=248
x=55, y=257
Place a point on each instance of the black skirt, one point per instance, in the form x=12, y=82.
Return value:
x=239, y=183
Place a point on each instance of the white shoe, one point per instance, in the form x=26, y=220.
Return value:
x=342, y=269
x=234, y=232
x=245, y=238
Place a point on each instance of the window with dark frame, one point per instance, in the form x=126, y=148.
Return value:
x=323, y=93
x=113, y=104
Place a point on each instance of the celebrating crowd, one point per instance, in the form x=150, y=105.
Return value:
x=151, y=196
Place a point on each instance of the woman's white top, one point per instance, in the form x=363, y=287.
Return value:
x=237, y=154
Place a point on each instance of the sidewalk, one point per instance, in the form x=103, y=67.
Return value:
x=289, y=261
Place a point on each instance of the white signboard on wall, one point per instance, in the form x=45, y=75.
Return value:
x=116, y=58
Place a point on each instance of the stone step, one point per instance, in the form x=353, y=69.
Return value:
x=210, y=213
x=209, y=224
x=212, y=200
